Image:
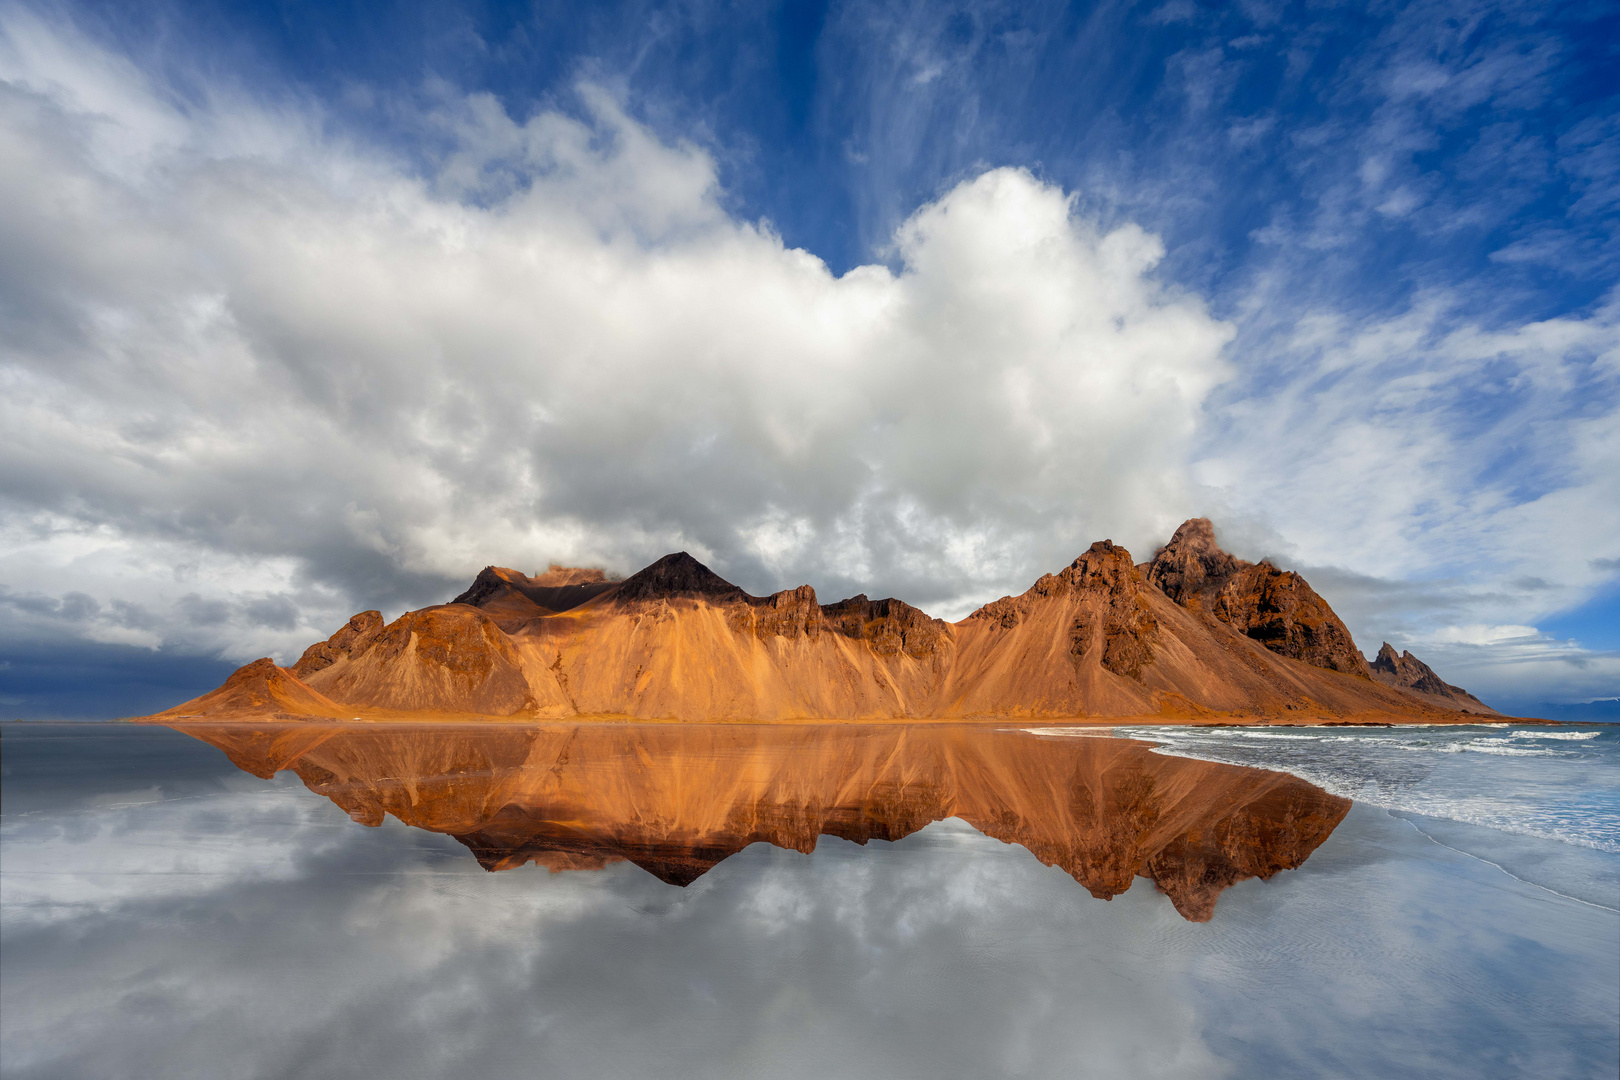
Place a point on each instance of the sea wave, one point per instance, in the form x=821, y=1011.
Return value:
x=1562, y=790
x=1492, y=746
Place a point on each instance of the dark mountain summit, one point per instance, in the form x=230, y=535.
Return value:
x=1277, y=608
x=675, y=575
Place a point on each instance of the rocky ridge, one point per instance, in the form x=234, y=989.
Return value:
x=1277, y=608
x=1194, y=633
x=1413, y=675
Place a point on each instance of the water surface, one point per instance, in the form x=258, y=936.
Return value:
x=166, y=913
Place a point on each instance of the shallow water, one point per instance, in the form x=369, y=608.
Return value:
x=1502, y=789
x=165, y=913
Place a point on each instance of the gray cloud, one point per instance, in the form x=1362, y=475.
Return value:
x=200, y=612
x=35, y=604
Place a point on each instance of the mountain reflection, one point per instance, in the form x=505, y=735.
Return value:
x=677, y=799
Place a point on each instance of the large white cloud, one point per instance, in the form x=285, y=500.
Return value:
x=246, y=362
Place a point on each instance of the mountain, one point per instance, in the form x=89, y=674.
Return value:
x=1192, y=634
x=1414, y=676
x=1601, y=711
x=508, y=596
x=678, y=799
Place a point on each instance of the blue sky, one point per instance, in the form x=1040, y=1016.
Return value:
x=1467, y=130
x=319, y=307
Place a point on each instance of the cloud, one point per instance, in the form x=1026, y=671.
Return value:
x=1479, y=634
x=289, y=355
x=1439, y=474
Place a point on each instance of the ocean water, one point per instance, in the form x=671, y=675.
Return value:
x=166, y=914
x=1541, y=801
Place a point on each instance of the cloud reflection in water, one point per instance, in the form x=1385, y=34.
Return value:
x=301, y=945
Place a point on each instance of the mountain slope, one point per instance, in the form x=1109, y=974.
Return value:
x=1193, y=633
x=1415, y=677
x=261, y=690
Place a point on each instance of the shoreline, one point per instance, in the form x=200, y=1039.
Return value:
x=465, y=720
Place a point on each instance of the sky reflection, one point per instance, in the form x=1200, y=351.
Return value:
x=676, y=799
x=228, y=926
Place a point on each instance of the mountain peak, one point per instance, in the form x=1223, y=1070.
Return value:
x=677, y=574
x=491, y=581
x=557, y=575
x=1277, y=608
x=1191, y=560
x=1409, y=673
x=513, y=597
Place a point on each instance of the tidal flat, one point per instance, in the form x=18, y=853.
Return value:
x=815, y=902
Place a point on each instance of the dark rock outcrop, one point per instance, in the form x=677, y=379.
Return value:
x=1191, y=561
x=678, y=575
x=890, y=626
x=1409, y=673
x=354, y=638
x=791, y=613
x=512, y=594
x=1281, y=611
x=1124, y=625
x=1277, y=608
x=1113, y=615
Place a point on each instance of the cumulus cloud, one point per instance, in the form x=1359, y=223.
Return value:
x=255, y=373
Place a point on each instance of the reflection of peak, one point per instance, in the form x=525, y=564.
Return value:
x=677, y=799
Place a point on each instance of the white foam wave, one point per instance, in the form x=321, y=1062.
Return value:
x=1487, y=746
x=1344, y=763
x=1570, y=735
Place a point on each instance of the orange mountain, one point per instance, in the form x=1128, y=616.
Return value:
x=677, y=800
x=1193, y=634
